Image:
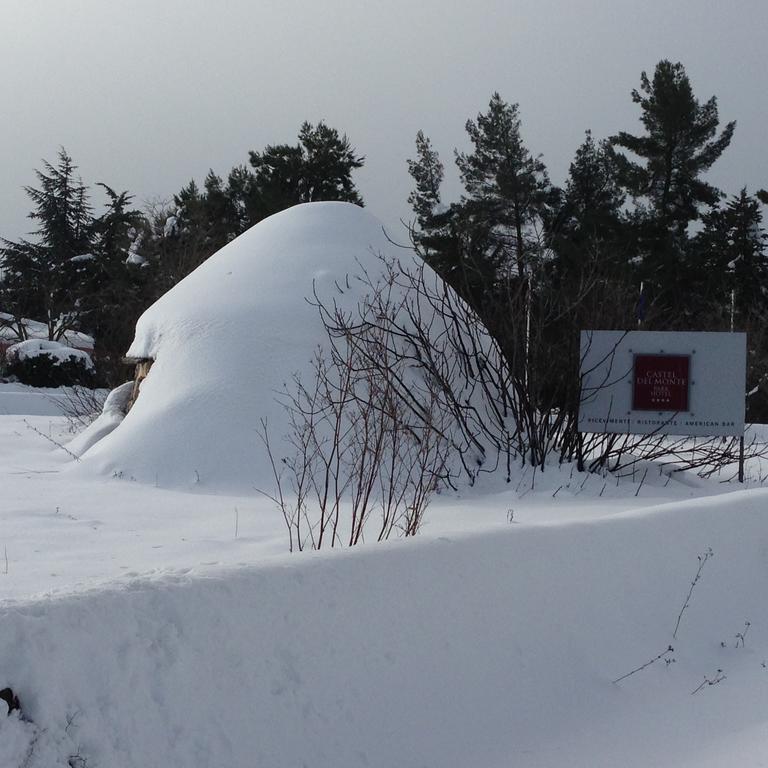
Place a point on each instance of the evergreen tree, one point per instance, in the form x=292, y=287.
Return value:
x=328, y=161
x=450, y=239
x=119, y=285
x=276, y=181
x=43, y=279
x=201, y=221
x=221, y=213
x=446, y=236
x=507, y=188
x=491, y=239
x=588, y=226
x=179, y=236
x=490, y=245
x=732, y=288
x=587, y=273
x=428, y=172
x=680, y=144
x=318, y=168
x=732, y=245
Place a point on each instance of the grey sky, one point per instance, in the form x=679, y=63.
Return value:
x=147, y=94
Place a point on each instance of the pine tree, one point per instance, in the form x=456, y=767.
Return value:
x=276, y=181
x=492, y=238
x=43, y=278
x=680, y=144
x=318, y=168
x=452, y=241
x=220, y=212
x=203, y=220
x=328, y=162
x=119, y=285
x=507, y=188
x=442, y=235
x=732, y=288
x=587, y=274
x=588, y=225
x=428, y=172
x=592, y=194
x=732, y=245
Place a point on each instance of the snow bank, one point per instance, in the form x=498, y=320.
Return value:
x=225, y=341
x=112, y=414
x=492, y=650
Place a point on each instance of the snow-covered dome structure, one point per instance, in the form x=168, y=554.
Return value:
x=227, y=339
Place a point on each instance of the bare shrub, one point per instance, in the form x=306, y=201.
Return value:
x=413, y=392
x=708, y=457
x=359, y=449
x=416, y=333
x=81, y=406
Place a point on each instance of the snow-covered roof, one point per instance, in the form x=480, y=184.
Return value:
x=225, y=341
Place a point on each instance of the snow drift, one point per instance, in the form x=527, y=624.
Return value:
x=493, y=650
x=228, y=338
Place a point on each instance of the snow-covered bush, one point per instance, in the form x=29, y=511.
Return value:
x=42, y=363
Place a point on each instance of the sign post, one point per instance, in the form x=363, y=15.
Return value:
x=663, y=382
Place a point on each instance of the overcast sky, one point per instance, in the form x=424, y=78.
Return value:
x=146, y=94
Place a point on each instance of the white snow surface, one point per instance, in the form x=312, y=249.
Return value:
x=21, y=399
x=112, y=414
x=144, y=626
x=226, y=340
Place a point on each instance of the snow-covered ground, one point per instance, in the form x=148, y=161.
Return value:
x=151, y=614
x=18, y=399
x=150, y=627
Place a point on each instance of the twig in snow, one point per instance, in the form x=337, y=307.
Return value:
x=641, y=482
x=718, y=678
x=702, y=560
x=522, y=478
x=51, y=440
x=647, y=664
x=71, y=721
x=741, y=635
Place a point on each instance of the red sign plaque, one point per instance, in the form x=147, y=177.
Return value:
x=660, y=383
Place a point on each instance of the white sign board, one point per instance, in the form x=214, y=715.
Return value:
x=664, y=382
